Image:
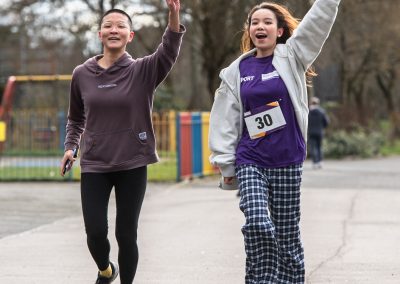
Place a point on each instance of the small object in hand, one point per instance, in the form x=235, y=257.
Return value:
x=68, y=163
x=225, y=186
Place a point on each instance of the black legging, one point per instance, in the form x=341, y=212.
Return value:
x=130, y=187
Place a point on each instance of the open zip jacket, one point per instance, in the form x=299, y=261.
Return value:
x=291, y=60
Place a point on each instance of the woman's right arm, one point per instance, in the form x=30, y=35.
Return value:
x=75, y=124
x=224, y=130
x=76, y=116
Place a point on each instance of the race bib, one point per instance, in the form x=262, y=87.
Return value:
x=264, y=120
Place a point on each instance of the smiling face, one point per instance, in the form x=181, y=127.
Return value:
x=115, y=32
x=264, y=31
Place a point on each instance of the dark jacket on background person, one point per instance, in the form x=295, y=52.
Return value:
x=317, y=121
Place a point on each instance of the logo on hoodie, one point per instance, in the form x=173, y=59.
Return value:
x=143, y=136
x=107, y=86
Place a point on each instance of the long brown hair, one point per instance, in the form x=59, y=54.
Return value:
x=285, y=20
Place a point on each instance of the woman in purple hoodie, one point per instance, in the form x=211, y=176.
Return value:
x=109, y=116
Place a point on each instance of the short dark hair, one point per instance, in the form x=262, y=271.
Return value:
x=117, y=11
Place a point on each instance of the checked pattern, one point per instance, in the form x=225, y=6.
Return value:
x=270, y=201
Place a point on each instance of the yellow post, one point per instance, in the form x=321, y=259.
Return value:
x=3, y=131
x=205, y=121
x=172, y=130
x=41, y=78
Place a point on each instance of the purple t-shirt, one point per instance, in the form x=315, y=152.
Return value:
x=261, y=84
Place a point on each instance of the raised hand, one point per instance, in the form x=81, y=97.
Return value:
x=174, y=5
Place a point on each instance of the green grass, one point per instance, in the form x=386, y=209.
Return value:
x=163, y=171
x=391, y=149
x=31, y=173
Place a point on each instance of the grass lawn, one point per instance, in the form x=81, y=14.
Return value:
x=165, y=170
x=391, y=148
x=30, y=173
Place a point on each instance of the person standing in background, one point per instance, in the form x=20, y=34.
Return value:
x=318, y=120
x=111, y=100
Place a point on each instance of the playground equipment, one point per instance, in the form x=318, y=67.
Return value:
x=8, y=96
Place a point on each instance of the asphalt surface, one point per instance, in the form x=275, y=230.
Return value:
x=190, y=232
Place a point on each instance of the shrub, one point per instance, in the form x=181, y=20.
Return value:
x=357, y=143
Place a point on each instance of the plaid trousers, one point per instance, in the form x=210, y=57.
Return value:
x=270, y=201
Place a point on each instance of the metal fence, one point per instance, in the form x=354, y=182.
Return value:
x=34, y=143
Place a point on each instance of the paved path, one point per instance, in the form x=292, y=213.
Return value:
x=190, y=232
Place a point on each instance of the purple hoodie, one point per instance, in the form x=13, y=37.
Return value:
x=110, y=109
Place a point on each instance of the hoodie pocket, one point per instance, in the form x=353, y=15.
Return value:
x=114, y=148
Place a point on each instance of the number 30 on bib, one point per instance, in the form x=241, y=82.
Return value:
x=265, y=119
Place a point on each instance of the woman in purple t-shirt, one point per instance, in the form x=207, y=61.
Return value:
x=258, y=130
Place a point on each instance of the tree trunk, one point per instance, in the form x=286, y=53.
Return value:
x=386, y=83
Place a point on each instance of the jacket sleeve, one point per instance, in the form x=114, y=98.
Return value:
x=325, y=121
x=76, y=116
x=309, y=37
x=157, y=65
x=224, y=130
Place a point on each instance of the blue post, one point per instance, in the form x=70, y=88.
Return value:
x=197, y=155
x=178, y=147
x=61, y=126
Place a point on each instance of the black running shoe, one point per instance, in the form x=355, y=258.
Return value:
x=106, y=280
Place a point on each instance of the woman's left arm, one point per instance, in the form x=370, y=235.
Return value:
x=312, y=32
x=173, y=19
x=159, y=64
